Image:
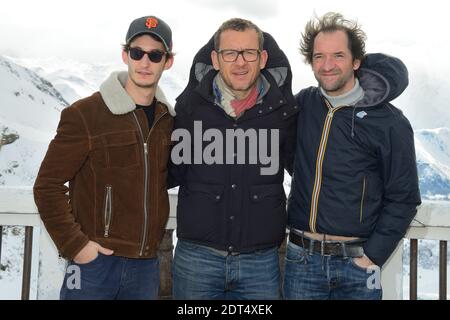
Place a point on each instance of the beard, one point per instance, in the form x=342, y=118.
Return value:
x=337, y=85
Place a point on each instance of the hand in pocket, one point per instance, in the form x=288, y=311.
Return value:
x=90, y=252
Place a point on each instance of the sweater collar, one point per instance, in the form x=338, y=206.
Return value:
x=349, y=98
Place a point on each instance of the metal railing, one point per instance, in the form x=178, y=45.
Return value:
x=31, y=245
x=17, y=209
x=413, y=262
x=27, y=254
x=432, y=222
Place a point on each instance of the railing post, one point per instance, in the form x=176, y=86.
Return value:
x=413, y=269
x=442, y=270
x=28, y=250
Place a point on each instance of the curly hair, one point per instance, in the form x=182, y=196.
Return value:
x=331, y=22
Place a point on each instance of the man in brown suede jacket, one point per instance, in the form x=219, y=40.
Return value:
x=113, y=148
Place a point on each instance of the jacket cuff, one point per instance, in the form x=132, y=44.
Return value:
x=378, y=252
x=73, y=247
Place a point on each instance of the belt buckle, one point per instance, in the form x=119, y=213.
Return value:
x=344, y=250
x=322, y=250
x=311, y=247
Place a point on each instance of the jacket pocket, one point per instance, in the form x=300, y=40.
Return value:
x=212, y=192
x=200, y=212
x=116, y=150
x=267, y=192
x=267, y=215
x=108, y=210
x=363, y=196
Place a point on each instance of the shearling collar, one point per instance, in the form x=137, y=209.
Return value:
x=117, y=99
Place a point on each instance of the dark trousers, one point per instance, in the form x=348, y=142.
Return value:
x=111, y=278
x=313, y=276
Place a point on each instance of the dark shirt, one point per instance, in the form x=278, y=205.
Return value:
x=149, y=111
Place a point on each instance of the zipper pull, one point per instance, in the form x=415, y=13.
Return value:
x=145, y=148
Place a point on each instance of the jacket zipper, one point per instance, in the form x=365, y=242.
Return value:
x=108, y=210
x=319, y=163
x=362, y=200
x=146, y=175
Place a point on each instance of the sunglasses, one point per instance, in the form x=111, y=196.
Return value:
x=154, y=55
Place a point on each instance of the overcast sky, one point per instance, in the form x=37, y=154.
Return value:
x=92, y=31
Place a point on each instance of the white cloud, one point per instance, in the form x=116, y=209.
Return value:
x=249, y=8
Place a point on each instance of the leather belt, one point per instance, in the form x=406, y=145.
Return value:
x=350, y=248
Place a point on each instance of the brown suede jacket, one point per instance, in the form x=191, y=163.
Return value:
x=116, y=167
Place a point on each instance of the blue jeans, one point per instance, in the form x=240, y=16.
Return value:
x=313, y=276
x=202, y=273
x=110, y=278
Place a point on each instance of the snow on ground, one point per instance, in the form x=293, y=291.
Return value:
x=11, y=262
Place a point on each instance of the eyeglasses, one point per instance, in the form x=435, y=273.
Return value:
x=249, y=55
x=154, y=55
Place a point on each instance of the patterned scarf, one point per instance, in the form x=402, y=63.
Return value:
x=233, y=106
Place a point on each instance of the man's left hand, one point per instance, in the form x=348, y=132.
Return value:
x=363, y=262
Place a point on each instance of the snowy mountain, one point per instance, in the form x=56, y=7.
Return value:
x=29, y=113
x=433, y=162
x=75, y=80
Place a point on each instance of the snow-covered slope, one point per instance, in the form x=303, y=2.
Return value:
x=75, y=80
x=433, y=162
x=29, y=113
